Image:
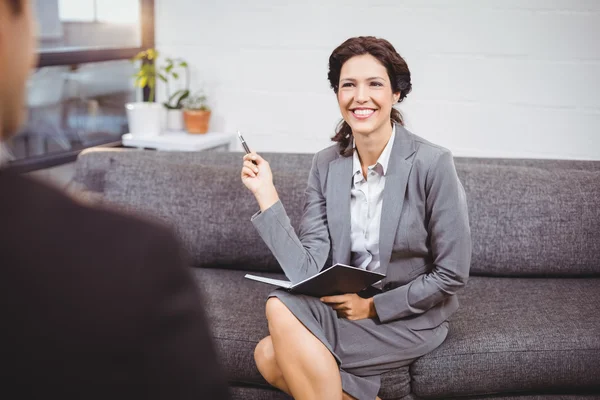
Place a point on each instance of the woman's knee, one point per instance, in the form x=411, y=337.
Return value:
x=275, y=309
x=264, y=357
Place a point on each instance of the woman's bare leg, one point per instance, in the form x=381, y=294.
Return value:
x=264, y=356
x=308, y=368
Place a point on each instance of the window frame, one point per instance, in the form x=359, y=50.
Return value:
x=48, y=58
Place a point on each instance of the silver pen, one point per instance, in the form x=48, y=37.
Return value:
x=246, y=148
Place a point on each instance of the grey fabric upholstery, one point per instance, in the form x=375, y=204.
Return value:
x=495, y=343
x=263, y=393
x=238, y=326
x=530, y=221
x=236, y=310
x=207, y=205
x=547, y=396
x=517, y=335
x=582, y=165
x=93, y=164
x=528, y=325
x=547, y=226
x=257, y=393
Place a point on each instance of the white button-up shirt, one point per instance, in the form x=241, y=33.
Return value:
x=365, y=209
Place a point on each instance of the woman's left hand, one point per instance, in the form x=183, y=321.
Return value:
x=351, y=306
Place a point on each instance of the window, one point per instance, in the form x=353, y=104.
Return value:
x=72, y=108
x=77, y=95
x=88, y=24
x=105, y=11
x=77, y=10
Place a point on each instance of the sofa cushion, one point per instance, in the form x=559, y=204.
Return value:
x=236, y=310
x=207, y=205
x=256, y=393
x=517, y=335
x=530, y=221
x=545, y=396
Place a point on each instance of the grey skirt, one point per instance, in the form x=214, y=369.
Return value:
x=363, y=349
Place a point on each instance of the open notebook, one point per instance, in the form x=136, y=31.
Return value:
x=337, y=279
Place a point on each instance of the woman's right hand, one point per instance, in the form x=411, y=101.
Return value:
x=259, y=180
x=256, y=177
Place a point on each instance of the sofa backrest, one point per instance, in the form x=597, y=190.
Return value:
x=528, y=217
x=533, y=217
x=200, y=195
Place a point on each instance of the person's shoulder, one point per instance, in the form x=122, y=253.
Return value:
x=328, y=154
x=426, y=147
x=427, y=152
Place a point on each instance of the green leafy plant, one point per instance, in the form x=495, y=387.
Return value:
x=196, y=102
x=146, y=75
x=168, y=71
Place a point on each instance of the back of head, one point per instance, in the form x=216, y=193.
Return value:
x=15, y=5
x=17, y=57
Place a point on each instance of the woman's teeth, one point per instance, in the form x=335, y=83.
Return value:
x=363, y=113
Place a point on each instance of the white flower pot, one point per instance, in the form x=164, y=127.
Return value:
x=175, y=120
x=145, y=119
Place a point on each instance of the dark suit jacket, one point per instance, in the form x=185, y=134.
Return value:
x=95, y=304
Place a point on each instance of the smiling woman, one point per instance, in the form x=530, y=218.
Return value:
x=349, y=76
x=362, y=194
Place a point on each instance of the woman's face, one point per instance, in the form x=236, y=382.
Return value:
x=365, y=95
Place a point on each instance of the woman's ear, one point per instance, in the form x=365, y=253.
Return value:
x=396, y=97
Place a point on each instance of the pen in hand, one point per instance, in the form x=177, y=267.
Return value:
x=262, y=188
x=246, y=148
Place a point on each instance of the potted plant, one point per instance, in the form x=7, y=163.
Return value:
x=196, y=113
x=174, y=103
x=145, y=117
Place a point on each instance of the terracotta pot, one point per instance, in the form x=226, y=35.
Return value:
x=196, y=121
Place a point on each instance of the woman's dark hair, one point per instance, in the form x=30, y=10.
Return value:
x=15, y=5
x=395, y=65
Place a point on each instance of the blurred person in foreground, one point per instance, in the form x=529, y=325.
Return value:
x=94, y=304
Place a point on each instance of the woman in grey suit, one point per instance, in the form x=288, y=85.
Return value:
x=382, y=199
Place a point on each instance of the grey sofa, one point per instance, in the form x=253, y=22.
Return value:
x=529, y=322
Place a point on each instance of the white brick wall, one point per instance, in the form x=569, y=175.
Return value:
x=491, y=78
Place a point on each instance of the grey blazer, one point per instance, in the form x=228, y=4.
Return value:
x=425, y=239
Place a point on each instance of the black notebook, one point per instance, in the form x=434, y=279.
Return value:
x=337, y=279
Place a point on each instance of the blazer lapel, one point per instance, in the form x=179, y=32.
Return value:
x=339, y=184
x=396, y=178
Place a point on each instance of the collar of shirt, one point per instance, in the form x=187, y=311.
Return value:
x=382, y=161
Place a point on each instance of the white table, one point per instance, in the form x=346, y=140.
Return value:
x=180, y=141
